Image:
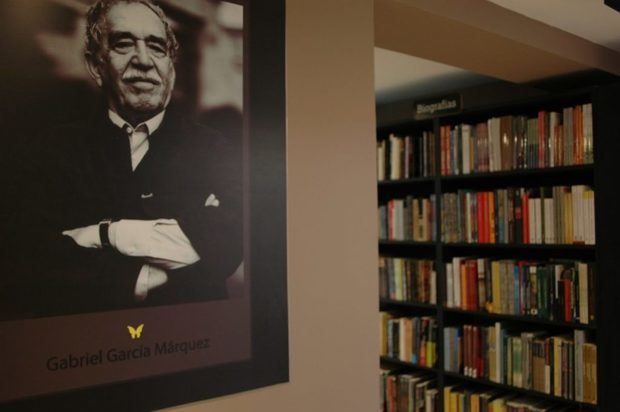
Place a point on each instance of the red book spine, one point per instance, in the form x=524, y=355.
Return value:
x=485, y=217
x=567, y=300
x=525, y=210
x=479, y=209
x=491, y=196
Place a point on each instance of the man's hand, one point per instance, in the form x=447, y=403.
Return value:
x=85, y=236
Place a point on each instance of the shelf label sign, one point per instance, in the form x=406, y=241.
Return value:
x=438, y=106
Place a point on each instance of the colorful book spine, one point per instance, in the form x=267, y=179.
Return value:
x=561, y=291
x=408, y=280
x=401, y=392
x=546, y=215
x=559, y=365
x=408, y=157
x=409, y=339
x=504, y=143
x=408, y=219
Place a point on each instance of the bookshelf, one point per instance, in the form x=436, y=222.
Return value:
x=605, y=131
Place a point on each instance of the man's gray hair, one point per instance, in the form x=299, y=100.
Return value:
x=95, y=25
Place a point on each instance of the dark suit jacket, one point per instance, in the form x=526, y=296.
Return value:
x=82, y=173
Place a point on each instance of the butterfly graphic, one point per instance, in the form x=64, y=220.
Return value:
x=135, y=332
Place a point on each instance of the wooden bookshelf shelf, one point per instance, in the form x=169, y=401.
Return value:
x=413, y=181
x=390, y=303
x=528, y=392
x=520, y=246
x=587, y=169
x=410, y=243
x=517, y=318
x=408, y=365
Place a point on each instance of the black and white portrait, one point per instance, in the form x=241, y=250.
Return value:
x=142, y=216
x=123, y=139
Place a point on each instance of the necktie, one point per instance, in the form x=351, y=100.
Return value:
x=138, y=143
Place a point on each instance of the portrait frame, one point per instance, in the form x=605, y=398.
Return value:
x=264, y=121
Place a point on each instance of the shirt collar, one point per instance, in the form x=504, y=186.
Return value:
x=151, y=125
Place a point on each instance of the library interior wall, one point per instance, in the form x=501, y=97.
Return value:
x=332, y=230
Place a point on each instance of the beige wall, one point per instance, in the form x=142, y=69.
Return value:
x=332, y=248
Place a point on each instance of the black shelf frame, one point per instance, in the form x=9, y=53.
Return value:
x=586, y=169
x=439, y=252
x=389, y=304
x=408, y=365
x=524, y=319
x=412, y=181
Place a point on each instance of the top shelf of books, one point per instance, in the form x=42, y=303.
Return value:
x=509, y=145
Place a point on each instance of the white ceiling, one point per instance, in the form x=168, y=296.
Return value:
x=590, y=19
x=399, y=76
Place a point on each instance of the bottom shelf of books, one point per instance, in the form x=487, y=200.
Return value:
x=488, y=366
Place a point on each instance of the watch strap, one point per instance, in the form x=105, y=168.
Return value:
x=104, y=235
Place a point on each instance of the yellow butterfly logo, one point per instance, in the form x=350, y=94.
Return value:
x=135, y=332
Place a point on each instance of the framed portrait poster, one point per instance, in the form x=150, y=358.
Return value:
x=143, y=219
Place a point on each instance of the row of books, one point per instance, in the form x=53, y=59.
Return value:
x=549, y=215
x=564, y=366
x=557, y=290
x=517, y=142
x=408, y=392
x=408, y=339
x=411, y=280
x=461, y=398
x=411, y=218
x=406, y=157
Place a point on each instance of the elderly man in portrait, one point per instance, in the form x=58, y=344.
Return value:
x=136, y=205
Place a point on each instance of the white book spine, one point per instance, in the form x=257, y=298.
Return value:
x=538, y=220
x=531, y=206
x=449, y=285
x=466, y=137
x=575, y=206
x=456, y=271
x=549, y=226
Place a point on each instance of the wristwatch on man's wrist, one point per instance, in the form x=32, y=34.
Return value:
x=104, y=236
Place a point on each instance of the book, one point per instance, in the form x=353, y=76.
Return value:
x=545, y=215
x=562, y=365
x=522, y=287
x=551, y=139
